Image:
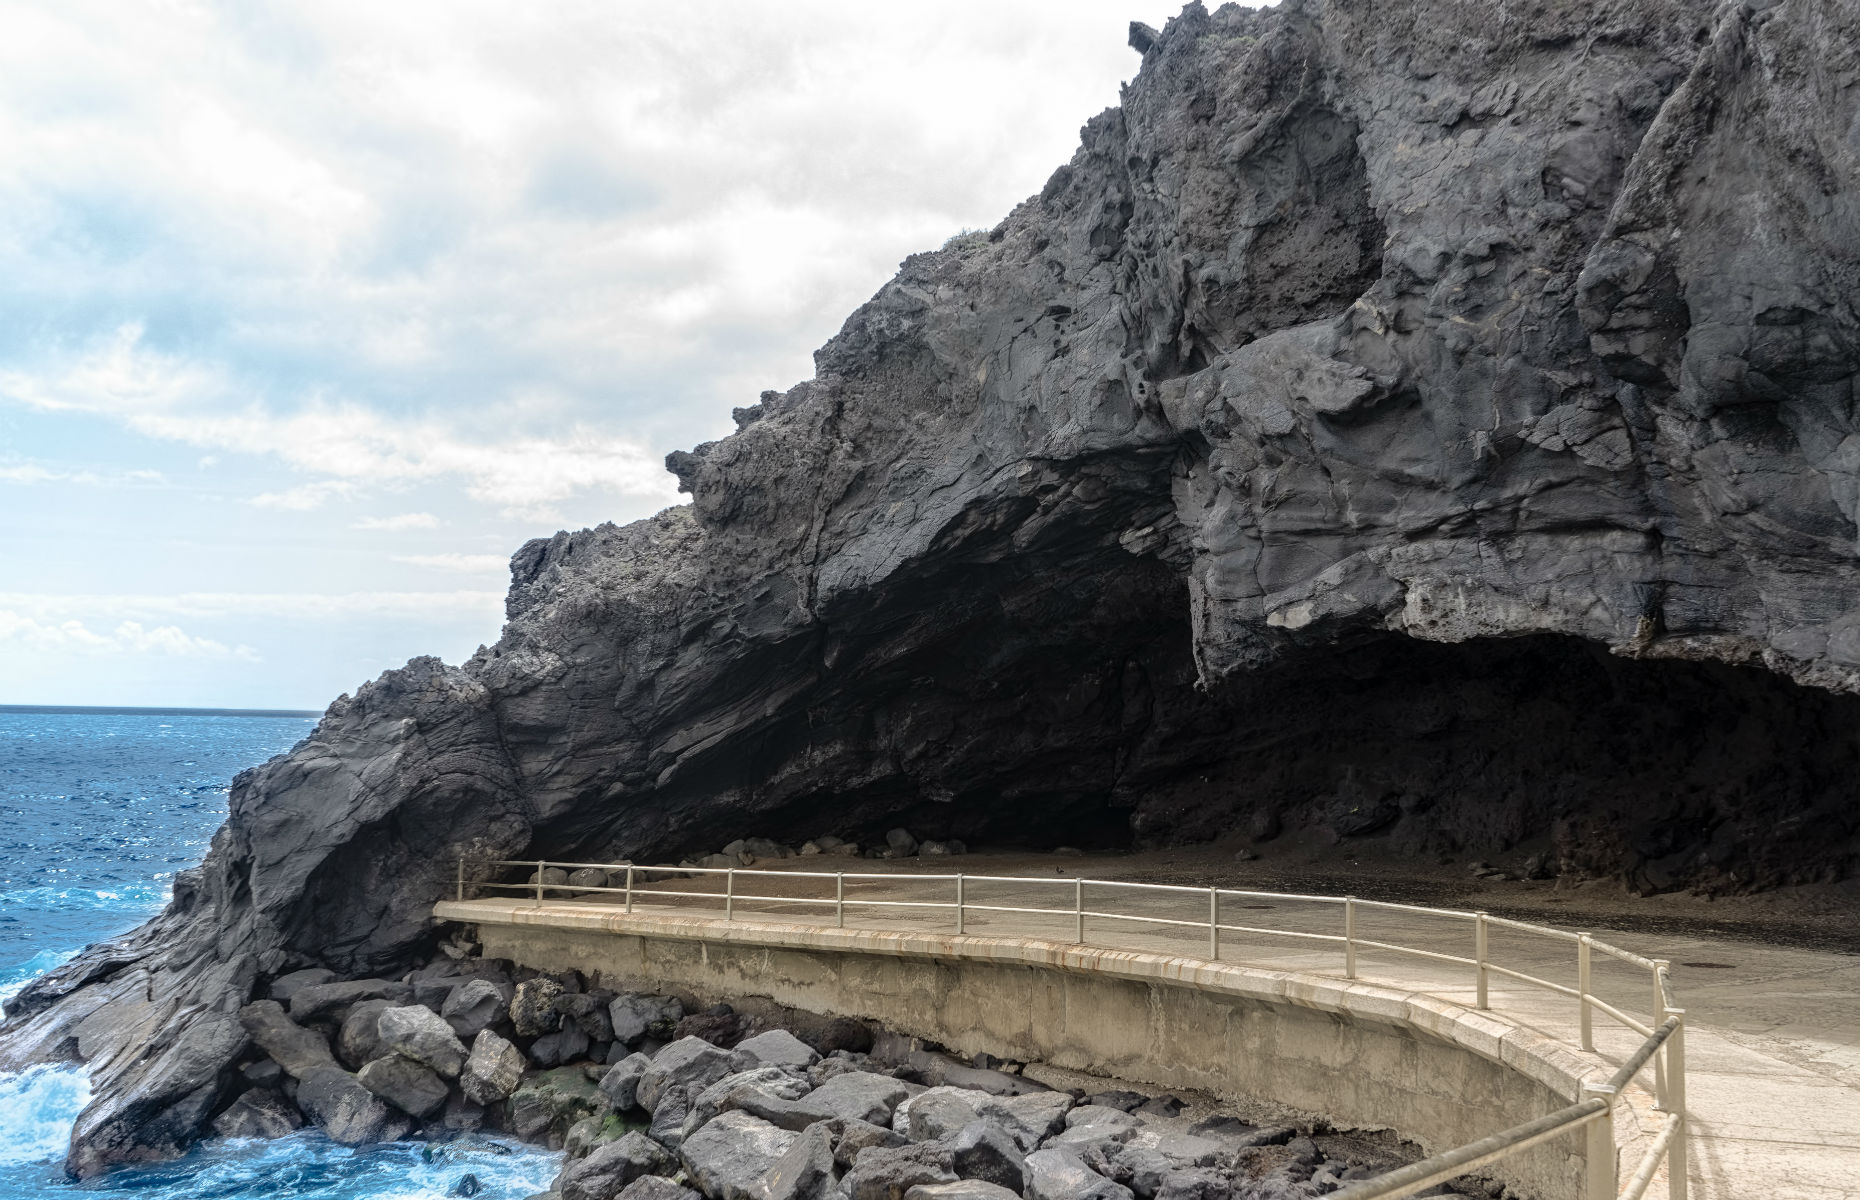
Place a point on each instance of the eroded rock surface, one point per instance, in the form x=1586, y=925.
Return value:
x=1441, y=421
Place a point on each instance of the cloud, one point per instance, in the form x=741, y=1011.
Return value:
x=29, y=473
x=55, y=608
x=129, y=637
x=305, y=497
x=412, y=520
x=475, y=563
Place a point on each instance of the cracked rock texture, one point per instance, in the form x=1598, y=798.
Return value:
x=1423, y=420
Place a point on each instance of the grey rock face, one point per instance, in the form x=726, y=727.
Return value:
x=285, y=986
x=775, y=1048
x=962, y=1189
x=603, y=1173
x=407, y=1085
x=346, y=1110
x=881, y=1173
x=532, y=1008
x=422, y=1035
x=358, y=1042
x=258, y=1113
x=1363, y=372
x=634, y=1017
x=657, y=1187
x=862, y=1096
x=982, y=1150
x=493, y=1069
x=805, y=1169
x=298, y=1050
x=731, y=1156
x=325, y=999
x=621, y=1083
x=937, y=1113
x=1063, y=1175
x=688, y=1062
x=474, y=1005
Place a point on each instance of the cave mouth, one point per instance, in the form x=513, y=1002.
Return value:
x=1063, y=710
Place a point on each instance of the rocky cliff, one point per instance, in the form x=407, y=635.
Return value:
x=1431, y=420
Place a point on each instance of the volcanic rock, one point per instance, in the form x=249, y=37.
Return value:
x=731, y=1156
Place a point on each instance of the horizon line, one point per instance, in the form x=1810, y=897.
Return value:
x=130, y=710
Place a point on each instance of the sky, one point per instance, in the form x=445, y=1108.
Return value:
x=313, y=311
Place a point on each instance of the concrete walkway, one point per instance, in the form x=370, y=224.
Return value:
x=1773, y=1045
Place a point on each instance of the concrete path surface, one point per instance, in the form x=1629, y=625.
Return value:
x=1772, y=1033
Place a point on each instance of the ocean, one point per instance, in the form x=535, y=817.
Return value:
x=98, y=809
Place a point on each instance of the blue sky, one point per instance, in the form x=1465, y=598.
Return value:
x=313, y=312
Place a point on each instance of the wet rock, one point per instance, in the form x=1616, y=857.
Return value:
x=532, y=1007
x=297, y=1050
x=1063, y=1175
x=982, y=1150
x=345, y=1110
x=590, y=1133
x=285, y=986
x=621, y=1082
x=258, y=1113
x=329, y=999
x=862, y=1096
x=775, y=1048
x=730, y=1156
x=689, y=1062
x=473, y=1006
x=462, y=1114
x=887, y=1174
x=805, y=1169
x=468, y=1185
x=493, y=1070
x=609, y=1168
x=422, y=1035
x=407, y=1085
x=550, y=1102
x=635, y=1016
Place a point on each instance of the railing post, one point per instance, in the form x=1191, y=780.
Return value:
x=839, y=899
x=1600, y=1171
x=1479, y=946
x=539, y=883
x=959, y=902
x=1349, y=937
x=1582, y=991
x=1676, y=1159
x=1659, y=1015
x=729, y=894
x=1214, y=925
x=1078, y=909
x=461, y=878
x=629, y=887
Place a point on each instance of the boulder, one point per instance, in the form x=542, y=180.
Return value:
x=900, y=843
x=612, y=1166
x=730, y=1157
x=688, y=1062
x=549, y=877
x=1121, y=1100
x=430, y=991
x=982, y=1150
x=332, y=999
x=863, y=1096
x=775, y=1048
x=743, y=1090
x=565, y=1045
x=850, y=1137
x=634, y=1017
x=1098, y=1114
x=962, y=1189
x=474, y=1006
x=407, y=1085
x=285, y=986
x=591, y=1133
x=587, y=877
x=805, y=1170
x=621, y=1082
x=887, y=1174
x=588, y=1010
x=463, y=1114
x=656, y=1187
x=670, y=1117
x=1211, y=1185
x=258, y=1113
x=265, y=1073
x=297, y=1050
x=1063, y=1175
x=719, y=1027
x=493, y=1070
x=1029, y=1119
x=547, y=1103
x=358, y=1042
x=937, y=1113
x=422, y=1035
x=794, y=1115
x=532, y=1007
x=345, y=1110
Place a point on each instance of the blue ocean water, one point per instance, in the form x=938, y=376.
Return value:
x=98, y=810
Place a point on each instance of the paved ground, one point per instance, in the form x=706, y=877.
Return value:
x=1773, y=1033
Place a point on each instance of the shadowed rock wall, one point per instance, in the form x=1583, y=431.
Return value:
x=1310, y=443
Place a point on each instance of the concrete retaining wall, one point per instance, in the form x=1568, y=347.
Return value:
x=1356, y=1054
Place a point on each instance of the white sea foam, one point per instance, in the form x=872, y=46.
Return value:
x=37, y=1110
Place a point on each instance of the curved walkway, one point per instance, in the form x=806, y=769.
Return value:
x=1773, y=1079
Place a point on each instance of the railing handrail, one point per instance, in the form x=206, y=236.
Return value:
x=1664, y=1031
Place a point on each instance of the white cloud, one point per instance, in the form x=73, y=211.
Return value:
x=47, y=607
x=305, y=497
x=412, y=520
x=28, y=473
x=481, y=564
x=129, y=637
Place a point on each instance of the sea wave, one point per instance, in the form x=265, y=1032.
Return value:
x=16, y=978
x=37, y=1110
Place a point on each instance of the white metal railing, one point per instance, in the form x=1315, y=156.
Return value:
x=1663, y=1033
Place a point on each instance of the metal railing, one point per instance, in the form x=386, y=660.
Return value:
x=1663, y=1033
